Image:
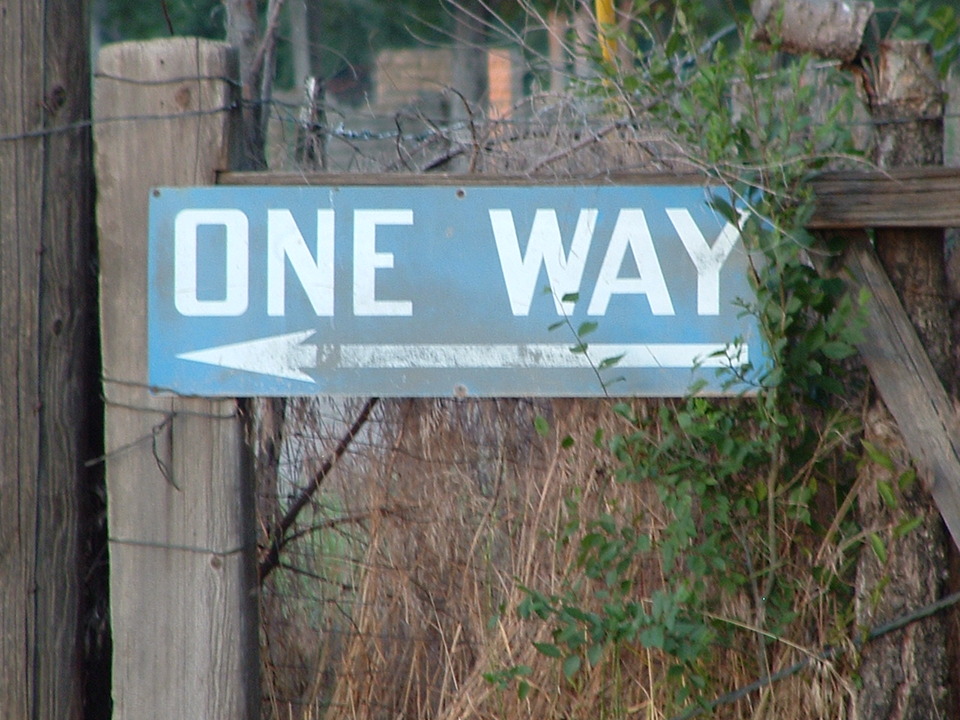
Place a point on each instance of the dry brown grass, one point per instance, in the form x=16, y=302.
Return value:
x=471, y=502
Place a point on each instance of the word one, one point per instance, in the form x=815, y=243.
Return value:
x=521, y=269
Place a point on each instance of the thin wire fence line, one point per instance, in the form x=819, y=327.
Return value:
x=365, y=135
x=88, y=124
x=175, y=547
x=168, y=81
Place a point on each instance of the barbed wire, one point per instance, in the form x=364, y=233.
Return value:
x=341, y=131
x=167, y=81
x=170, y=547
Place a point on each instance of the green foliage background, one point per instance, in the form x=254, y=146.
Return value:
x=351, y=31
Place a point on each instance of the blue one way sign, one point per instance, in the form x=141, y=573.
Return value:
x=444, y=290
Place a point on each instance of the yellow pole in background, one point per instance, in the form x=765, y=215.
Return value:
x=605, y=20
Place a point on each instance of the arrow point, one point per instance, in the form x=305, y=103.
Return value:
x=279, y=356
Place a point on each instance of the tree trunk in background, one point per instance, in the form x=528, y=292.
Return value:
x=557, y=25
x=265, y=62
x=243, y=33
x=299, y=42
x=49, y=411
x=314, y=43
x=469, y=59
x=828, y=28
x=905, y=673
x=305, y=20
x=583, y=30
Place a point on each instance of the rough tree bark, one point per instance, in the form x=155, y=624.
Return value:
x=828, y=28
x=48, y=400
x=905, y=673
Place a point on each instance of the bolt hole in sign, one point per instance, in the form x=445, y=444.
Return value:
x=446, y=290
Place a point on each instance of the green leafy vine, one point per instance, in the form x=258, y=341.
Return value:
x=738, y=481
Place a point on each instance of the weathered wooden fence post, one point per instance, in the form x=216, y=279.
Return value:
x=48, y=372
x=182, y=578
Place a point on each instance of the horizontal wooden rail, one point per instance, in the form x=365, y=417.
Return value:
x=913, y=197
x=445, y=179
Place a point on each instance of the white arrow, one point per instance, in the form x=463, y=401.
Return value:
x=286, y=356
x=534, y=356
x=280, y=355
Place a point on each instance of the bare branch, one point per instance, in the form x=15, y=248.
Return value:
x=269, y=41
x=279, y=532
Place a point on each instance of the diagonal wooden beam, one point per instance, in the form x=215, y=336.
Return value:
x=907, y=381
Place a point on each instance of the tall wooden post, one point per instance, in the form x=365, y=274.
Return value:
x=182, y=573
x=48, y=398
x=905, y=673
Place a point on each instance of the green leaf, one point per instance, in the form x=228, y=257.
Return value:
x=541, y=425
x=625, y=411
x=879, y=549
x=874, y=453
x=837, y=350
x=567, y=442
x=571, y=666
x=548, y=649
x=570, y=297
x=586, y=328
x=886, y=494
x=595, y=654
x=761, y=491
x=907, y=479
x=610, y=361
x=907, y=526
x=653, y=637
x=558, y=324
x=592, y=540
x=523, y=690
x=607, y=523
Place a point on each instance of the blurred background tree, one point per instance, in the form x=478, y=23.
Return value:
x=337, y=40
